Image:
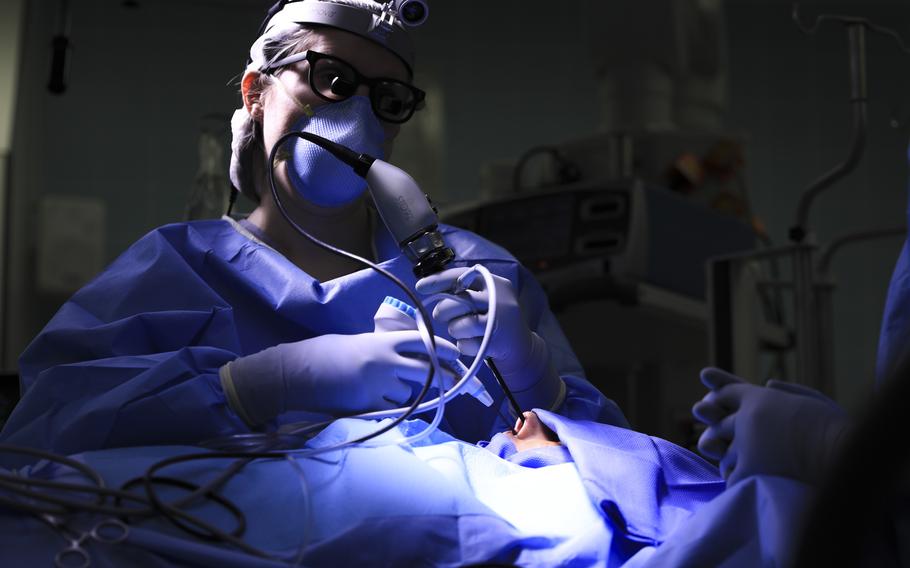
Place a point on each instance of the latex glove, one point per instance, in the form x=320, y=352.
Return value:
x=521, y=355
x=331, y=374
x=780, y=429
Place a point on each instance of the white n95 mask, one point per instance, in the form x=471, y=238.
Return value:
x=318, y=176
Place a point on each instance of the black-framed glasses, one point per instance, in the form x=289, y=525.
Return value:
x=333, y=79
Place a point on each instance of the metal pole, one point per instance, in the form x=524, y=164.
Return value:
x=859, y=100
x=807, y=343
x=824, y=298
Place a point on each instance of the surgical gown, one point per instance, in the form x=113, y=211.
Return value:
x=132, y=359
x=896, y=319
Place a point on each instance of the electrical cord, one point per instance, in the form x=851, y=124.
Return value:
x=30, y=501
x=343, y=253
x=183, y=484
x=298, y=429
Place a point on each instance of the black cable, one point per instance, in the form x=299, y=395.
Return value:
x=225, y=503
x=288, y=436
x=18, y=485
x=50, y=456
x=68, y=506
x=413, y=297
x=231, y=201
x=212, y=485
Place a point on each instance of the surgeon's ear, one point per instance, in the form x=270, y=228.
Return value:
x=251, y=91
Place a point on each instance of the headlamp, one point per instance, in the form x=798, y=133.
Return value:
x=412, y=12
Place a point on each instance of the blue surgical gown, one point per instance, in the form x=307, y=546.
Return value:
x=132, y=359
x=895, y=331
x=896, y=319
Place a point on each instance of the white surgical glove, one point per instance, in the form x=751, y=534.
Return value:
x=521, y=356
x=331, y=374
x=780, y=429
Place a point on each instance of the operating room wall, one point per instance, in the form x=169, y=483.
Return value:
x=507, y=75
x=140, y=83
x=11, y=16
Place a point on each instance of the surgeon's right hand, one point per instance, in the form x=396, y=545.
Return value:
x=331, y=374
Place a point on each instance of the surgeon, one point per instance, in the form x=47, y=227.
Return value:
x=211, y=328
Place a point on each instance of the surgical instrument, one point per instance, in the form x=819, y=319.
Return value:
x=74, y=555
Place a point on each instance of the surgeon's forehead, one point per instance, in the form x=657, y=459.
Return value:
x=366, y=56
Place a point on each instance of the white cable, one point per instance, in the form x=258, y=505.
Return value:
x=475, y=364
x=437, y=403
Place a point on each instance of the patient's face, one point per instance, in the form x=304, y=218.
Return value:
x=533, y=434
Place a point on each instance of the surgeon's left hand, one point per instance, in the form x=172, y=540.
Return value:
x=779, y=429
x=520, y=354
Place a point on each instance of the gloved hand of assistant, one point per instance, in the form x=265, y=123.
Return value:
x=520, y=354
x=332, y=374
x=779, y=429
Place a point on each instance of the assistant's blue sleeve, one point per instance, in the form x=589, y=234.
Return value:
x=896, y=319
x=582, y=399
x=131, y=359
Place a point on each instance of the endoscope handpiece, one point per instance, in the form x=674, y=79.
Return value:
x=409, y=216
x=403, y=207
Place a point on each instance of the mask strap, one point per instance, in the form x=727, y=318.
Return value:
x=306, y=108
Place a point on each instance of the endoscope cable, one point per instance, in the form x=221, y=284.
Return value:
x=343, y=253
x=30, y=499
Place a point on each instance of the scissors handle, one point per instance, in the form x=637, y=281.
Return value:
x=73, y=556
x=110, y=531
